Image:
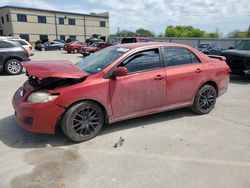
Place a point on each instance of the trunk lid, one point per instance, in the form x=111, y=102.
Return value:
x=53, y=69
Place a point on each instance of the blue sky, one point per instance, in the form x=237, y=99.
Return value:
x=155, y=15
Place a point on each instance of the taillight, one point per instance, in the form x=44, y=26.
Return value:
x=26, y=52
x=30, y=47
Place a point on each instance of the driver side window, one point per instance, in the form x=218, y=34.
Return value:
x=142, y=61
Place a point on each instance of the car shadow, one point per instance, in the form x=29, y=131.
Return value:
x=237, y=79
x=5, y=74
x=12, y=135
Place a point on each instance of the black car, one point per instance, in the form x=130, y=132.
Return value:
x=11, y=54
x=54, y=45
x=238, y=59
x=209, y=48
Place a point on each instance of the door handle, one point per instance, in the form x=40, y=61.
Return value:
x=198, y=70
x=158, y=77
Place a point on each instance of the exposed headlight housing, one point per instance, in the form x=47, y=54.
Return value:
x=41, y=97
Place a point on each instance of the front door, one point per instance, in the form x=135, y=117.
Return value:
x=144, y=88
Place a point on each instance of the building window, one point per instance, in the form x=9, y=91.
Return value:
x=41, y=19
x=43, y=37
x=102, y=24
x=2, y=18
x=7, y=18
x=61, y=21
x=72, y=21
x=62, y=37
x=25, y=37
x=72, y=37
x=21, y=17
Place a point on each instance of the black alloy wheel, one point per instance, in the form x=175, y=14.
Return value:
x=205, y=99
x=83, y=121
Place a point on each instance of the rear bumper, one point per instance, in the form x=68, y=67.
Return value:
x=36, y=117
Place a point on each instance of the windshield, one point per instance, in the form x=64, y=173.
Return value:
x=94, y=44
x=243, y=45
x=202, y=45
x=96, y=62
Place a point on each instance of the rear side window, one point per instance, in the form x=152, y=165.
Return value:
x=128, y=40
x=5, y=45
x=174, y=56
x=142, y=61
x=22, y=42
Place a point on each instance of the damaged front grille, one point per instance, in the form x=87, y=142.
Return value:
x=51, y=82
x=239, y=65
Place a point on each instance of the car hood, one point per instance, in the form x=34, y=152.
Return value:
x=53, y=69
x=238, y=53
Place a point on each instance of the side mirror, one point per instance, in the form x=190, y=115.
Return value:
x=120, y=71
x=230, y=48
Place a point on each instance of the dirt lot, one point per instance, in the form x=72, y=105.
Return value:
x=171, y=149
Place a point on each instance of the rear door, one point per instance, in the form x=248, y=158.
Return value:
x=144, y=88
x=185, y=73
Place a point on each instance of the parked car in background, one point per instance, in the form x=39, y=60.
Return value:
x=117, y=83
x=71, y=40
x=25, y=44
x=93, y=48
x=238, y=59
x=94, y=40
x=59, y=40
x=210, y=48
x=54, y=45
x=135, y=39
x=74, y=47
x=11, y=54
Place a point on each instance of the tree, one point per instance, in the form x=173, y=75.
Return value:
x=189, y=31
x=237, y=34
x=125, y=33
x=144, y=33
x=216, y=34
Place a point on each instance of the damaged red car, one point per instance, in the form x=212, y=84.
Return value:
x=117, y=83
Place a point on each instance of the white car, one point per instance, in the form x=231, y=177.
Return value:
x=25, y=44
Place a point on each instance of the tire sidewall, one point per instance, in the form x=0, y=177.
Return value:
x=7, y=64
x=67, y=121
x=196, y=107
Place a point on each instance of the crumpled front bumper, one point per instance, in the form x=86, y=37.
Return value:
x=36, y=117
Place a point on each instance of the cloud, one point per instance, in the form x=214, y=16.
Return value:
x=156, y=14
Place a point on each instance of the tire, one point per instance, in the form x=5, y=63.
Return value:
x=83, y=121
x=13, y=67
x=205, y=100
x=61, y=49
x=75, y=51
x=43, y=49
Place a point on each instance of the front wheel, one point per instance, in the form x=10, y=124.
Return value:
x=83, y=121
x=205, y=100
x=75, y=51
x=13, y=67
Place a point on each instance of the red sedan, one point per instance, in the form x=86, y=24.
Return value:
x=93, y=48
x=74, y=47
x=117, y=83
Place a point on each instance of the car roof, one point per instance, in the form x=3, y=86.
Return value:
x=150, y=44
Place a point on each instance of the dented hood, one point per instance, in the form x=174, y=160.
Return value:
x=56, y=69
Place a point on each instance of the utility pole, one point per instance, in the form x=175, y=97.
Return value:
x=248, y=32
x=118, y=31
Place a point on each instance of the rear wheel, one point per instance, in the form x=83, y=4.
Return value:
x=43, y=49
x=13, y=67
x=83, y=121
x=205, y=99
x=75, y=51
